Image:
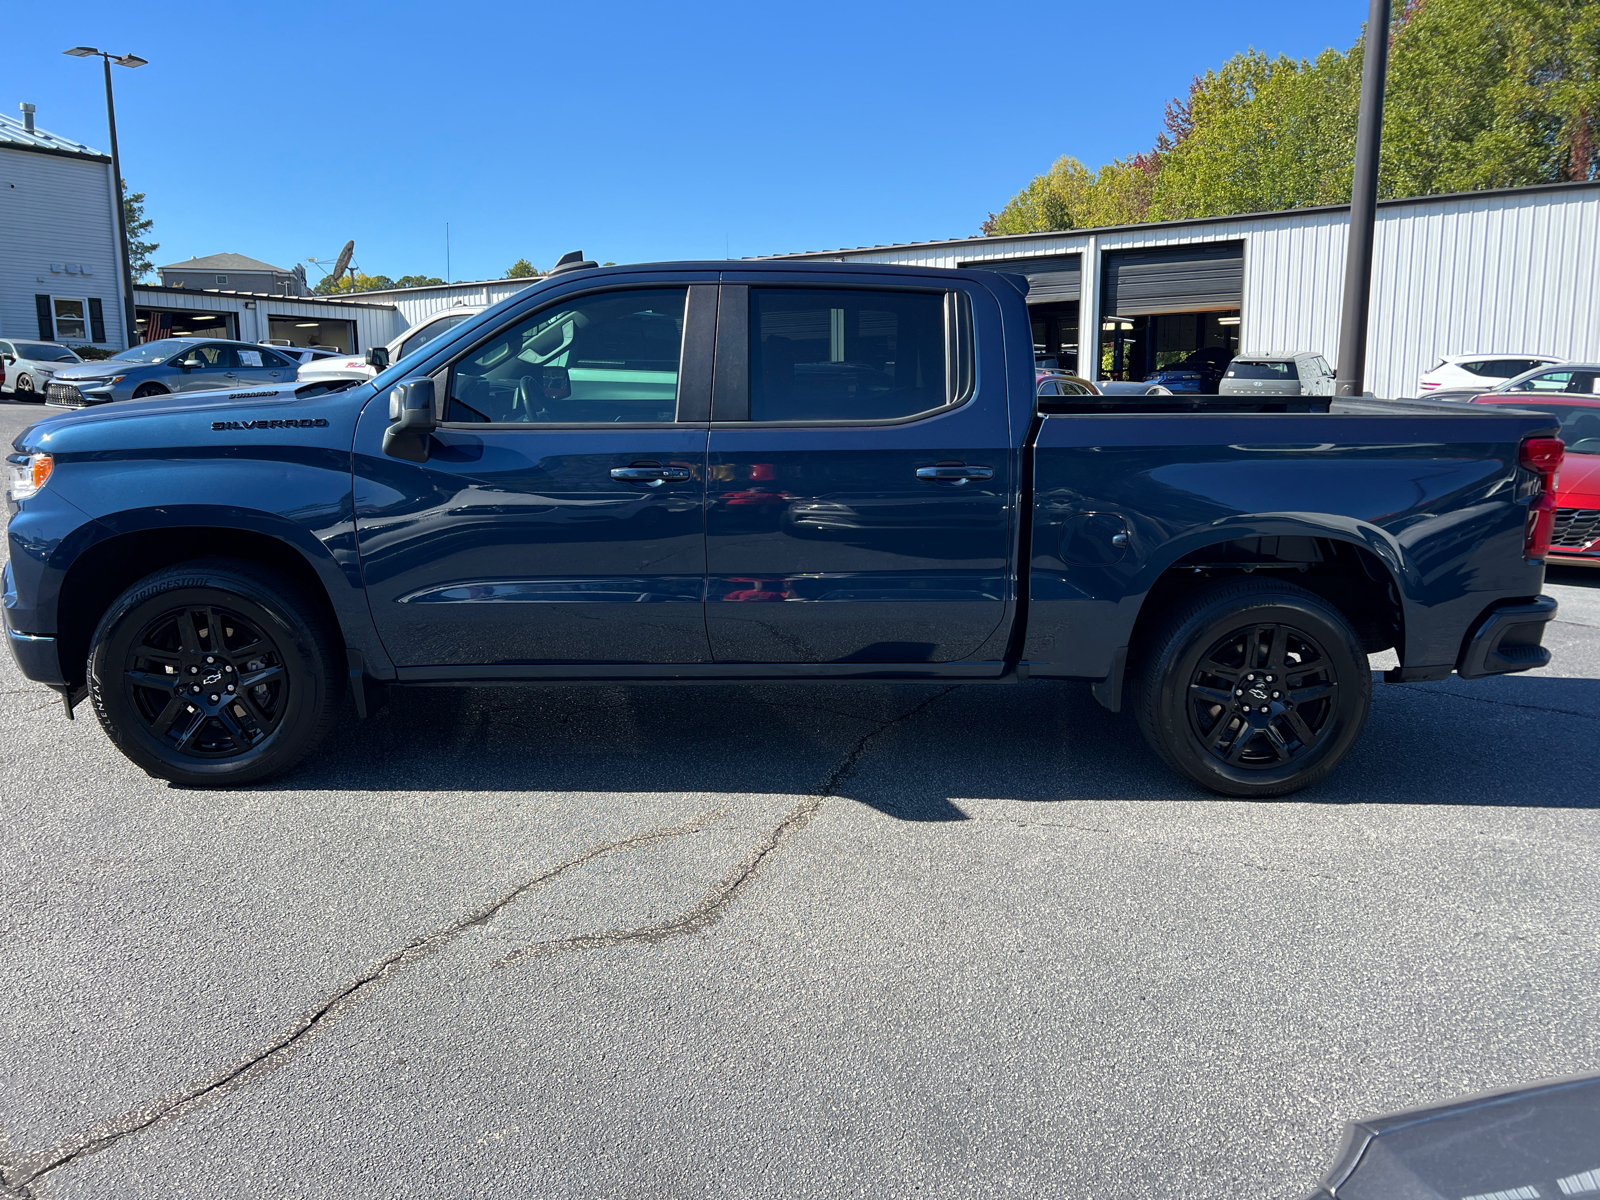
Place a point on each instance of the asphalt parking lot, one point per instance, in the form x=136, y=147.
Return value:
x=808, y=940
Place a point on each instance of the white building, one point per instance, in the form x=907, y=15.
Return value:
x=1508, y=272
x=60, y=278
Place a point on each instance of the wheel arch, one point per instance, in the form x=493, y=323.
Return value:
x=140, y=543
x=1362, y=577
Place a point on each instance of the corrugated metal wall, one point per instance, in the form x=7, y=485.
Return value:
x=375, y=325
x=1502, y=272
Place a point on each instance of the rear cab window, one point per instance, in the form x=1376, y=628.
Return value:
x=829, y=355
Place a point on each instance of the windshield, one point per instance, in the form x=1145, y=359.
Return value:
x=152, y=351
x=1580, y=423
x=43, y=352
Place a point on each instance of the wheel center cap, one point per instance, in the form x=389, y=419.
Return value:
x=1258, y=693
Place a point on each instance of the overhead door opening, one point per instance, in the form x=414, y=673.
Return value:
x=312, y=333
x=1173, y=308
x=1055, y=284
x=157, y=323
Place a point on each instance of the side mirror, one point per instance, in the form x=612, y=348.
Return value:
x=555, y=383
x=185, y=365
x=412, y=420
x=378, y=358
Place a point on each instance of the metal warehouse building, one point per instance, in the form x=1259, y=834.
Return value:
x=1505, y=272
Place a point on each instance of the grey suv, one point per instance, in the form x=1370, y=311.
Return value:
x=170, y=365
x=1296, y=373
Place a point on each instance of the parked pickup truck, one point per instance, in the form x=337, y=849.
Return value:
x=767, y=471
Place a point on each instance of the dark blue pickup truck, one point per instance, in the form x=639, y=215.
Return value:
x=766, y=471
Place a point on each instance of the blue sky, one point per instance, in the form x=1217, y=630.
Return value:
x=631, y=131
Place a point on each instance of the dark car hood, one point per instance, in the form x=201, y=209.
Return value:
x=251, y=403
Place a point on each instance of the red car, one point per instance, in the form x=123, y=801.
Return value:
x=1575, y=540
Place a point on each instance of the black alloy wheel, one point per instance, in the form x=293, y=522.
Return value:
x=1262, y=697
x=215, y=672
x=1253, y=688
x=145, y=391
x=208, y=682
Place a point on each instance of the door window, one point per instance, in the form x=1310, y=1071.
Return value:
x=1549, y=381
x=604, y=358
x=211, y=358
x=846, y=355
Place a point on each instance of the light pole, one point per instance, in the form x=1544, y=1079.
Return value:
x=1352, y=378
x=122, y=60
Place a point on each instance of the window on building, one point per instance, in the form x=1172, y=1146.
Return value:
x=72, y=317
x=222, y=280
x=845, y=355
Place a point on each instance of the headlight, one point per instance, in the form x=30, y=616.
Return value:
x=29, y=473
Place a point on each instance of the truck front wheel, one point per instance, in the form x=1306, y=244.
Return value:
x=1253, y=688
x=214, y=673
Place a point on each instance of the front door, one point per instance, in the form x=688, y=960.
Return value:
x=858, y=499
x=559, y=518
x=207, y=366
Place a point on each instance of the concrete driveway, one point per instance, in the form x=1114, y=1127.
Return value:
x=796, y=941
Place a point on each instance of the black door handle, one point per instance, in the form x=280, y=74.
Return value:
x=651, y=476
x=956, y=473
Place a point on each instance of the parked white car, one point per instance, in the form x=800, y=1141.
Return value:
x=29, y=366
x=1479, y=372
x=305, y=355
x=359, y=367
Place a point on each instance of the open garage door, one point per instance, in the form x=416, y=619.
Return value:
x=1171, y=314
x=1200, y=278
x=1055, y=284
x=1051, y=279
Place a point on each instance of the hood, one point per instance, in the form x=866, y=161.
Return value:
x=105, y=368
x=1578, y=484
x=104, y=415
x=212, y=420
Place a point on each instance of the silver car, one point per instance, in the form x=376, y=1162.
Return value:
x=170, y=365
x=1298, y=373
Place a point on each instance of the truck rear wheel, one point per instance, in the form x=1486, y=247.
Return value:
x=1253, y=689
x=214, y=673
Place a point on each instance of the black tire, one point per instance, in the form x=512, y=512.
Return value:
x=1280, y=652
x=146, y=390
x=205, y=623
x=23, y=389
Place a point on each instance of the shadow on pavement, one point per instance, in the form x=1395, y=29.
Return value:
x=1456, y=743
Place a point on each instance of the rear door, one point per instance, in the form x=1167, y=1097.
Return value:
x=560, y=517
x=859, y=472
x=259, y=365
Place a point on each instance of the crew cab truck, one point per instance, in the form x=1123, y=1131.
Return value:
x=766, y=471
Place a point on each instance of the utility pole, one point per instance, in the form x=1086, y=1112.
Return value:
x=1352, y=368
x=122, y=60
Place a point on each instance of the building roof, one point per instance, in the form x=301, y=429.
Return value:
x=223, y=262
x=14, y=133
x=1001, y=240
x=234, y=293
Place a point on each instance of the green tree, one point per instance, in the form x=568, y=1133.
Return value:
x=343, y=286
x=1481, y=93
x=137, y=225
x=521, y=269
x=408, y=281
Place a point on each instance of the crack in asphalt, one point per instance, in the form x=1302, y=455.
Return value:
x=709, y=909
x=1565, y=712
x=20, y=1175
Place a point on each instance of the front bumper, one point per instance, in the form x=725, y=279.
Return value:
x=36, y=656
x=1506, y=639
